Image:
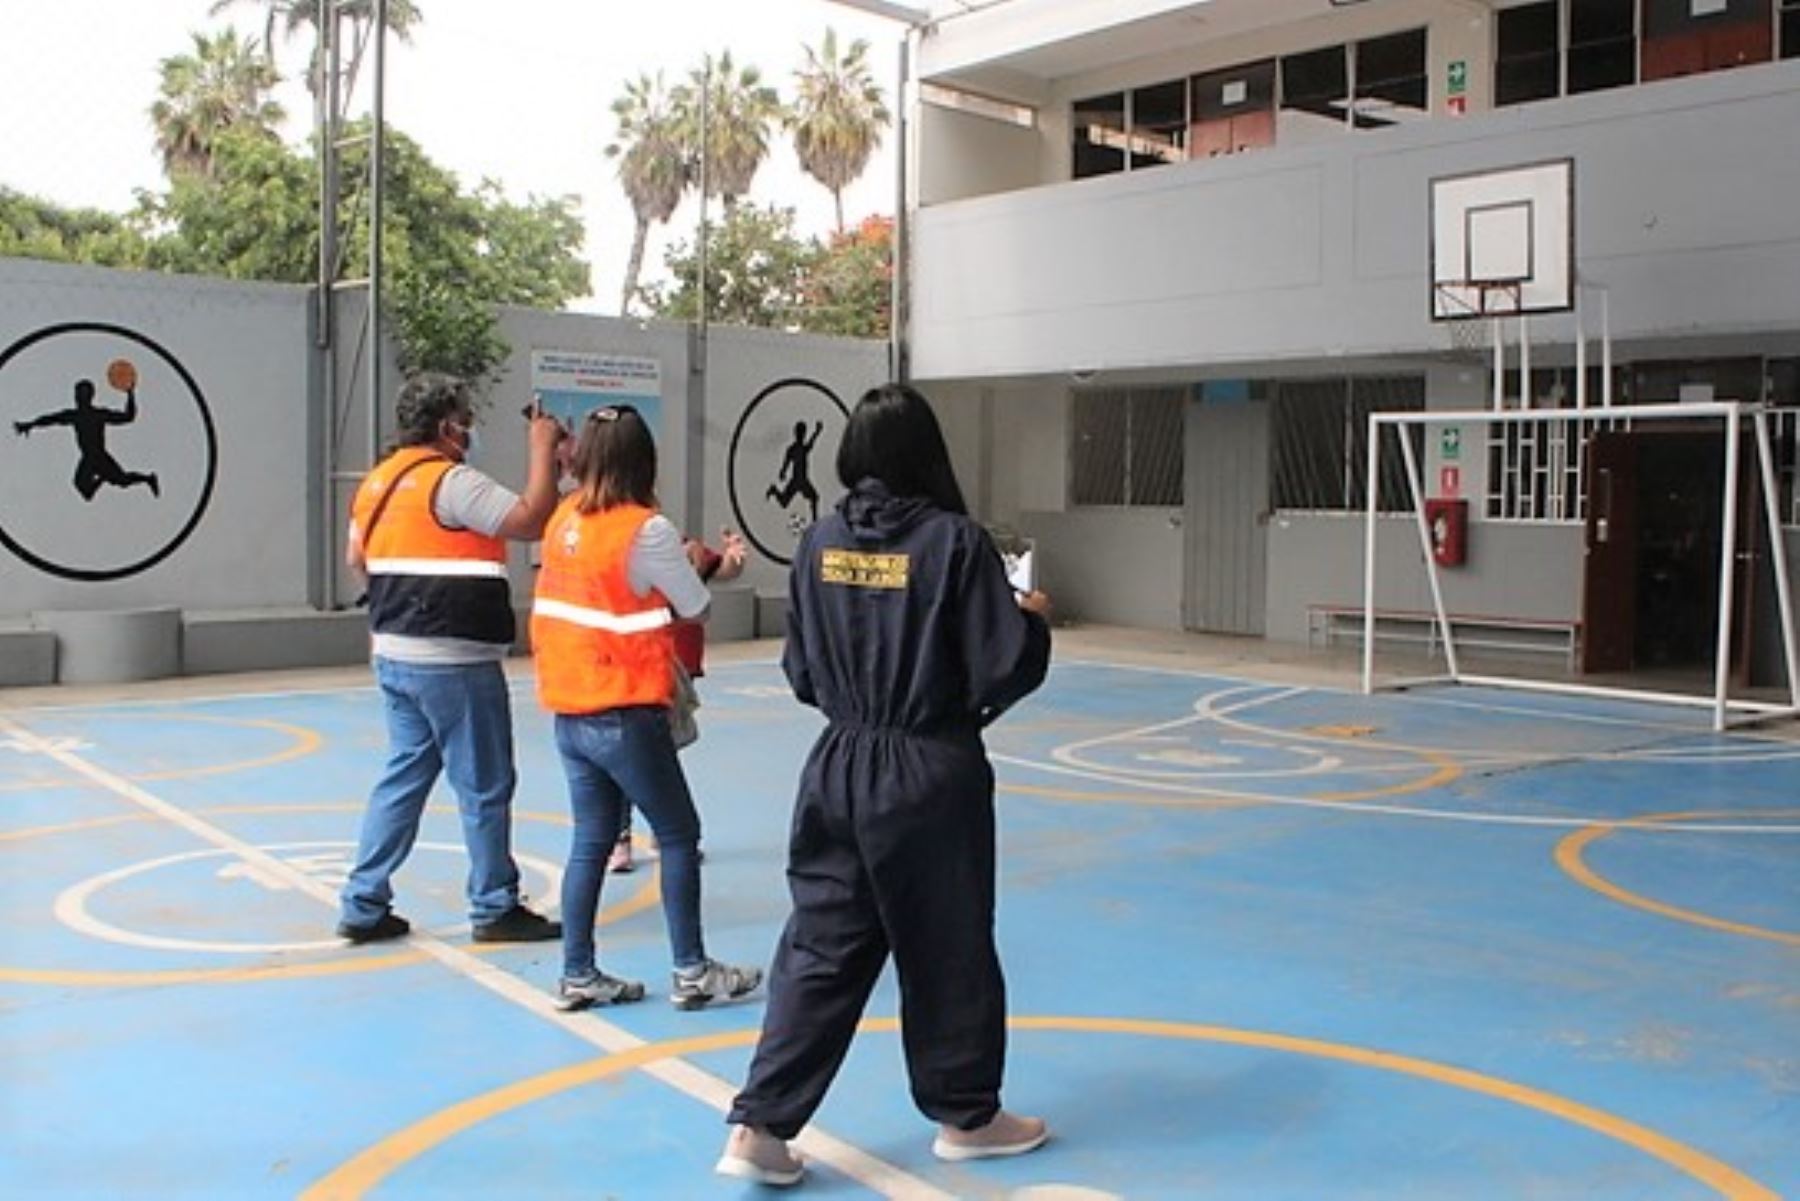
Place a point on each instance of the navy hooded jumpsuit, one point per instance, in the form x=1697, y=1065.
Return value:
x=904, y=632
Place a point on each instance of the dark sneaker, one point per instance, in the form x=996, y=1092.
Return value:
x=713, y=981
x=597, y=989
x=518, y=924
x=388, y=925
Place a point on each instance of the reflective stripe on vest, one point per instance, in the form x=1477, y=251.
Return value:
x=598, y=644
x=425, y=579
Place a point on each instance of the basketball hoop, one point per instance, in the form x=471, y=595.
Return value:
x=1469, y=308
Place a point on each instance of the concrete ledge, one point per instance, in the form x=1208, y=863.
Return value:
x=114, y=646
x=733, y=616
x=771, y=614
x=272, y=639
x=27, y=658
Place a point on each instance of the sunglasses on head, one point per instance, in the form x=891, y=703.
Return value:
x=611, y=412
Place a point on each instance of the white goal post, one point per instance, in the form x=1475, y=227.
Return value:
x=1732, y=415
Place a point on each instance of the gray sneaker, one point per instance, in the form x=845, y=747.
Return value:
x=597, y=989
x=713, y=981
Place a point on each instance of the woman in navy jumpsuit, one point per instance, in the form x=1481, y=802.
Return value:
x=905, y=633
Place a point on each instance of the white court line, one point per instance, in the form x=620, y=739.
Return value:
x=1372, y=809
x=877, y=1175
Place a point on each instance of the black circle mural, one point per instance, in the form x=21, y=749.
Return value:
x=782, y=463
x=108, y=453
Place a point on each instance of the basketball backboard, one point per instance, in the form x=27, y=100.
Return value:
x=1503, y=242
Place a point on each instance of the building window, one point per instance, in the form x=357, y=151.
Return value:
x=1688, y=37
x=1100, y=135
x=1315, y=93
x=1602, y=44
x=1233, y=110
x=1784, y=396
x=1126, y=447
x=1319, y=432
x=1159, y=124
x=1790, y=28
x=1390, y=80
x=1529, y=64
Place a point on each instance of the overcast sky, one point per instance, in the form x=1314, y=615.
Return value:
x=520, y=92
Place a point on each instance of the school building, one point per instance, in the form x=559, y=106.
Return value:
x=1167, y=256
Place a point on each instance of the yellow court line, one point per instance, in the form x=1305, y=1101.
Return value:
x=306, y=742
x=1569, y=857
x=1448, y=771
x=355, y=961
x=357, y=1176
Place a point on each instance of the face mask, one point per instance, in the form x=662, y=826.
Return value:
x=471, y=440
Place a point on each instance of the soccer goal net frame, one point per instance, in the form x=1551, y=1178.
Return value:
x=1732, y=416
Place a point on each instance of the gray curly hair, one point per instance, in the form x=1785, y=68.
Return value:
x=425, y=401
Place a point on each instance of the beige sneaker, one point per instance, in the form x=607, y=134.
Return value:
x=1006, y=1134
x=752, y=1153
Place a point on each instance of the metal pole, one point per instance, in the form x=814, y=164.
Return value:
x=705, y=183
x=1499, y=363
x=1727, y=569
x=899, y=298
x=378, y=140
x=326, y=129
x=1580, y=352
x=1525, y=396
x=1416, y=487
x=1606, y=372
x=1784, y=596
x=1368, y=647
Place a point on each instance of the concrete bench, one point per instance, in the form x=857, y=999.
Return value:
x=1331, y=624
x=114, y=646
x=27, y=657
x=272, y=639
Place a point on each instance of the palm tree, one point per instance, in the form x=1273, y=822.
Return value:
x=296, y=16
x=838, y=118
x=740, y=111
x=224, y=84
x=653, y=164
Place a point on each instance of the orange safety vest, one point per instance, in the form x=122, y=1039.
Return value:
x=425, y=579
x=598, y=645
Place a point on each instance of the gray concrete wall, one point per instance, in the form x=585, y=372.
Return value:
x=240, y=357
x=245, y=349
x=1683, y=206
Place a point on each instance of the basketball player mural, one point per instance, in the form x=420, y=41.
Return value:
x=90, y=422
x=795, y=477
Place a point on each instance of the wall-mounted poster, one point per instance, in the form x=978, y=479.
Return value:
x=573, y=383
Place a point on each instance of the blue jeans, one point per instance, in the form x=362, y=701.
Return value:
x=451, y=717
x=615, y=760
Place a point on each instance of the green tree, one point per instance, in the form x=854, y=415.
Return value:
x=756, y=272
x=740, y=112
x=653, y=165
x=301, y=17
x=450, y=255
x=223, y=85
x=838, y=116
x=31, y=228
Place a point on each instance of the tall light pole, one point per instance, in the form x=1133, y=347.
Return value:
x=916, y=21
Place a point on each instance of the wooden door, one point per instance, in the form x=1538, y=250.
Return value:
x=1609, y=582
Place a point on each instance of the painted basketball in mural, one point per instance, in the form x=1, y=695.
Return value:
x=782, y=466
x=121, y=375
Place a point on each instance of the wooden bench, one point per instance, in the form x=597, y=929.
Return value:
x=1331, y=624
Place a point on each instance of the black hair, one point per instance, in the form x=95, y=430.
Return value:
x=425, y=402
x=615, y=460
x=894, y=437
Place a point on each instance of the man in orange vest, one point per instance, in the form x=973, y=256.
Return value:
x=430, y=532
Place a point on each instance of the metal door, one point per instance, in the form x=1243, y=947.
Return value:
x=1226, y=516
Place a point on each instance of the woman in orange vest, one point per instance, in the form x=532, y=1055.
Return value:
x=614, y=580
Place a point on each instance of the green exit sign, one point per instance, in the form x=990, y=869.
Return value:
x=1459, y=76
x=1450, y=442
